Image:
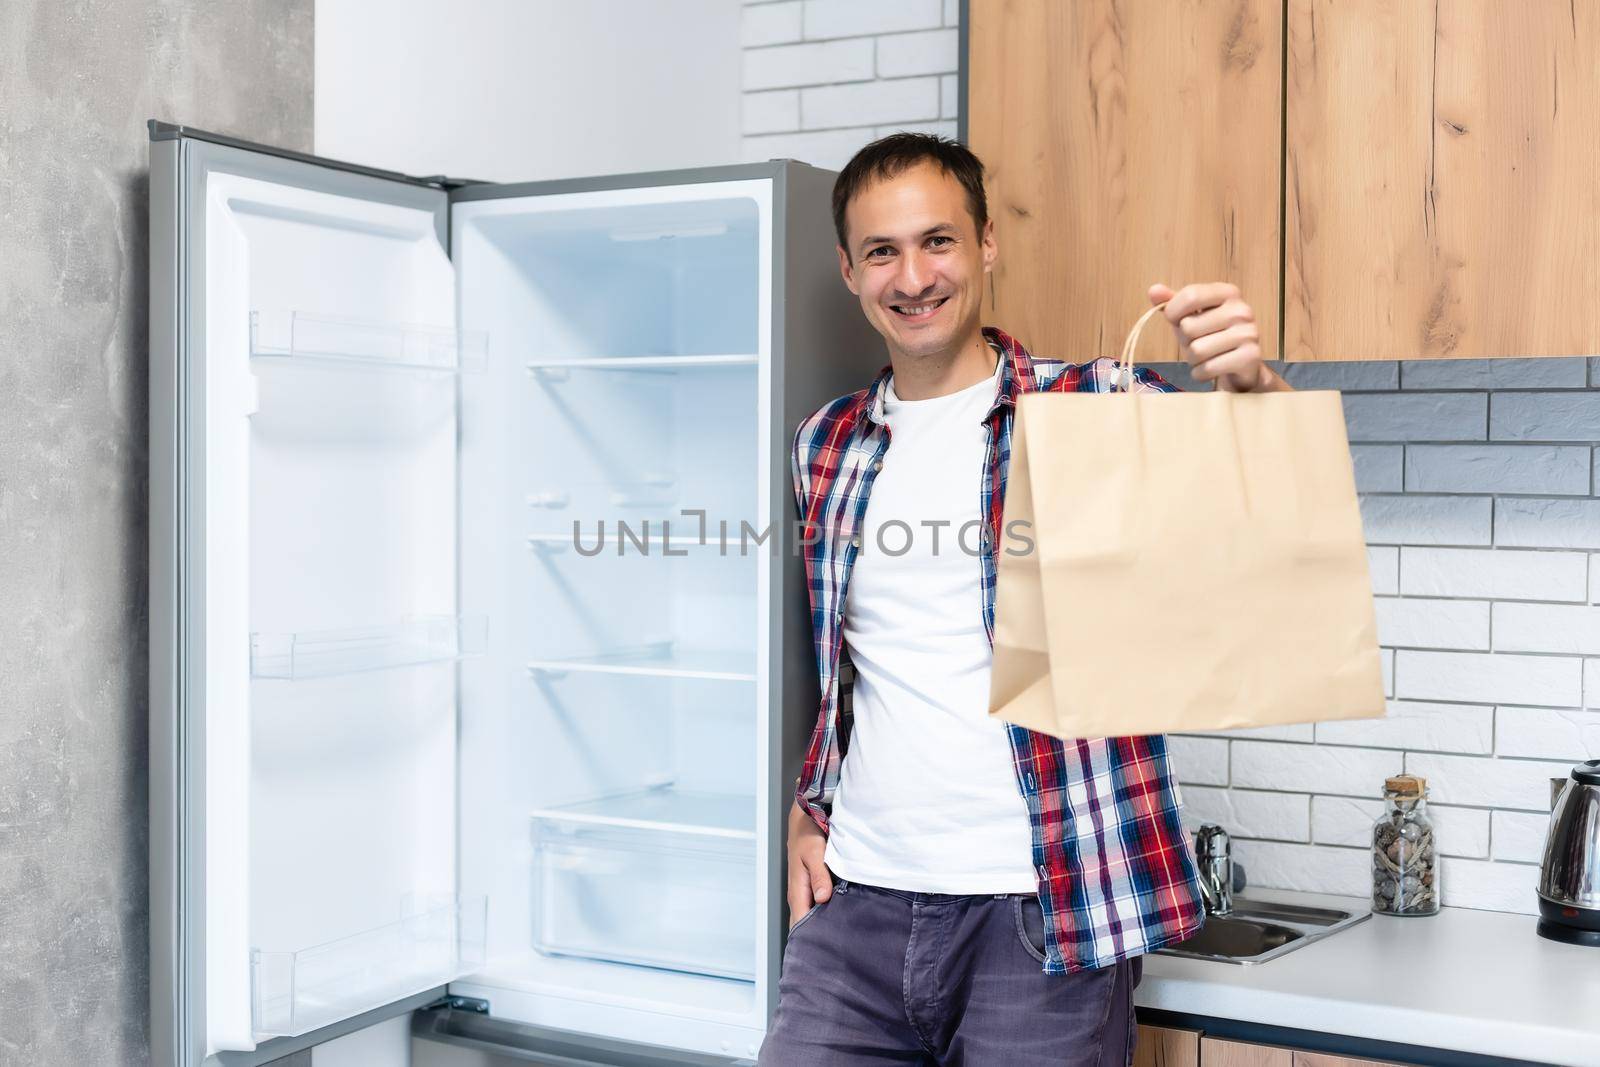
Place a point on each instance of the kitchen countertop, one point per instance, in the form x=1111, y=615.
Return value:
x=1471, y=981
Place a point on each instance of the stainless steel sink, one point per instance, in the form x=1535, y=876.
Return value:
x=1259, y=930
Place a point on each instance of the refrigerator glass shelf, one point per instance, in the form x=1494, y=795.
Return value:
x=555, y=370
x=436, y=939
x=663, y=809
x=411, y=642
x=612, y=544
x=660, y=660
x=313, y=339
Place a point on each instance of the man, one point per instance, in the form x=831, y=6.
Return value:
x=962, y=891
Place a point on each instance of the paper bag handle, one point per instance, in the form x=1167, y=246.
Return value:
x=1125, y=367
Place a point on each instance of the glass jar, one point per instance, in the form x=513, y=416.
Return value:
x=1405, y=864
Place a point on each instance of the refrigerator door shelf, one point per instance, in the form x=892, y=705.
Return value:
x=660, y=878
x=555, y=369
x=660, y=660
x=435, y=938
x=306, y=337
x=324, y=653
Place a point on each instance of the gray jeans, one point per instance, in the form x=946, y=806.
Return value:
x=879, y=976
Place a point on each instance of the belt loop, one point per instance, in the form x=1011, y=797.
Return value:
x=841, y=886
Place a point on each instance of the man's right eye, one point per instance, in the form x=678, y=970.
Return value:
x=881, y=248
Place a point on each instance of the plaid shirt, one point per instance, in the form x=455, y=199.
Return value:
x=1116, y=873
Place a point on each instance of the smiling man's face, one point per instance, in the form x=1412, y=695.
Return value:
x=917, y=261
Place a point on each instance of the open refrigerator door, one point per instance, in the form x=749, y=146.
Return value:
x=306, y=624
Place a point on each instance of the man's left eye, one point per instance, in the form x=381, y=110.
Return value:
x=939, y=240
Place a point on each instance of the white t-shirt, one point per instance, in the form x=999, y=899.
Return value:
x=927, y=799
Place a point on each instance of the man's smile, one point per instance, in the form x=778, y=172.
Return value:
x=919, y=312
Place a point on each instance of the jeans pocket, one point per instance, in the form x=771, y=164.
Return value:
x=1030, y=925
x=807, y=917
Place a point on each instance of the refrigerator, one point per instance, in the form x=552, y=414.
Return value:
x=481, y=663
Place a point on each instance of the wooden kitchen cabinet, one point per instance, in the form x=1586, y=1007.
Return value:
x=1215, y=1052
x=1442, y=179
x=1163, y=1046
x=1126, y=144
x=1435, y=166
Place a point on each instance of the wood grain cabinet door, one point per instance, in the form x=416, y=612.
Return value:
x=1442, y=179
x=1163, y=1046
x=1126, y=144
x=1215, y=1052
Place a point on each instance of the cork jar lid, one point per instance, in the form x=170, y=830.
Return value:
x=1405, y=785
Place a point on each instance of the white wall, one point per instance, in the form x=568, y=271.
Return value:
x=513, y=90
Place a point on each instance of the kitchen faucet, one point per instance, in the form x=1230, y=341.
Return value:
x=1219, y=877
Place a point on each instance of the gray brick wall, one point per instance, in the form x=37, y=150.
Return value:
x=1478, y=495
x=1478, y=485
x=824, y=77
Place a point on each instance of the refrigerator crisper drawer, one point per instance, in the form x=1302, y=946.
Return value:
x=435, y=940
x=678, y=897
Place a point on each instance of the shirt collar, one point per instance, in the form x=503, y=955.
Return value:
x=1016, y=376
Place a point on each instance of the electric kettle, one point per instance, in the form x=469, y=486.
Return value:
x=1569, y=879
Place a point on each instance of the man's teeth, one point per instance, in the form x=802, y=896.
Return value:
x=917, y=309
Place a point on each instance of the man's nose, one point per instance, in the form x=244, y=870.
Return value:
x=916, y=275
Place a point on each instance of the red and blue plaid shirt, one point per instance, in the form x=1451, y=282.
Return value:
x=1116, y=873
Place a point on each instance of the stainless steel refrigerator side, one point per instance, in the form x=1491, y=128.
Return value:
x=824, y=349
x=179, y=166
x=167, y=971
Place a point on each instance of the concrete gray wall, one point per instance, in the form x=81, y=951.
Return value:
x=78, y=79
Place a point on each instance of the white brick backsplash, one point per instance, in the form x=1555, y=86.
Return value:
x=1383, y=564
x=770, y=24
x=1387, y=655
x=1489, y=886
x=1479, y=677
x=1198, y=760
x=1594, y=580
x=1540, y=523
x=1519, y=835
x=901, y=55
x=828, y=148
x=1483, y=782
x=1591, y=684
x=1350, y=377
x=1416, y=416
x=854, y=18
x=1545, y=416
x=950, y=97
x=1412, y=623
x=1497, y=373
x=1427, y=520
x=1553, y=469
x=1566, y=628
x=1378, y=468
x=773, y=112
x=900, y=100
x=808, y=64
x=1348, y=821
x=943, y=129
x=1245, y=813
x=1415, y=725
x=1312, y=768
x=952, y=12
x=1298, y=731
x=1309, y=868
x=1547, y=733
x=1502, y=574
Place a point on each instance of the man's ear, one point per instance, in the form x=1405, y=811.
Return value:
x=991, y=251
x=845, y=270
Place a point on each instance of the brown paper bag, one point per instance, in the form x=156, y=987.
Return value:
x=1197, y=564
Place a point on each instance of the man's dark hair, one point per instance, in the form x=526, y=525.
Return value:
x=889, y=156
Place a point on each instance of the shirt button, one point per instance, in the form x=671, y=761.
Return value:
x=855, y=542
x=877, y=465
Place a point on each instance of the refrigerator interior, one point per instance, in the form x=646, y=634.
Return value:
x=615, y=728
x=331, y=609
